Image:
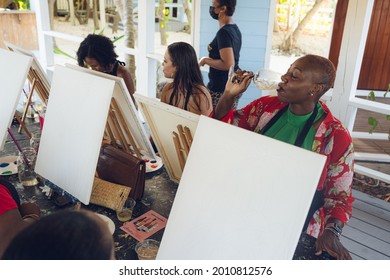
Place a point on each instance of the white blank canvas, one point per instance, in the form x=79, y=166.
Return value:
x=127, y=106
x=73, y=130
x=13, y=74
x=34, y=64
x=163, y=120
x=241, y=196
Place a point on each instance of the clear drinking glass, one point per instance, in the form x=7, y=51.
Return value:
x=266, y=79
x=26, y=170
x=34, y=141
x=126, y=212
x=147, y=249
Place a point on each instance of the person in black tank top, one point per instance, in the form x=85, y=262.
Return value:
x=97, y=53
x=224, y=49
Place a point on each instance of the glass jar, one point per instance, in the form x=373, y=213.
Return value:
x=34, y=141
x=26, y=172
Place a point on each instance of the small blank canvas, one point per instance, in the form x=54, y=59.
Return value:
x=13, y=74
x=162, y=120
x=73, y=130
x=241, y=196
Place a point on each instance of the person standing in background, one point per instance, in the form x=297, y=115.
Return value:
x=224, y=49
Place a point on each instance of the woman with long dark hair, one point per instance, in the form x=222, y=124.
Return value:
x=187, y=90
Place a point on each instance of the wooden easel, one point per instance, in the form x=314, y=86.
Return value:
x=37, y=81
x=36, y=85
x=118, y=132
x=182, y=141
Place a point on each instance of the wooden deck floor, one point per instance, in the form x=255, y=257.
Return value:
x=367, y=235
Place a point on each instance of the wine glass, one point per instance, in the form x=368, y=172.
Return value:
x=266, y=79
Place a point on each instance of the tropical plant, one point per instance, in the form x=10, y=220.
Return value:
x=296, y=26
x=23, y=4
x=59, y=51
x=162, y=15
x=372, y=121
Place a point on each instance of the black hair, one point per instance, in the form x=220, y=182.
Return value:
x=98, y=47
x=63, y=235
x=187, y=76
x=230, y=6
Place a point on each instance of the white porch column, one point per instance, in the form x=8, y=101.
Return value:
x=102, y=14
x=46, y=52
x=350, y=60
x=146, y=67
x=195, y=26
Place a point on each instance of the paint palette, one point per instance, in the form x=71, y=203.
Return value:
x=8, y=165
x=152, y=164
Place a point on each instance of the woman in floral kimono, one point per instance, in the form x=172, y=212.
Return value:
x=297, y=116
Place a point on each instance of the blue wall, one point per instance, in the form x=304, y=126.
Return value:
x=251, y=16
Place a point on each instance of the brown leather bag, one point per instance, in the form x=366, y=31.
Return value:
x=117, y=166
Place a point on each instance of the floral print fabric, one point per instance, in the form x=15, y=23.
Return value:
x=332, y=140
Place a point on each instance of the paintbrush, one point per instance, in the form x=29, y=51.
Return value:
x=19, y=148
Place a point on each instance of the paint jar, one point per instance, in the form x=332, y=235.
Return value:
x=147, y=249
x=27, y=176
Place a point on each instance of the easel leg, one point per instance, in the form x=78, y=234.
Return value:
x=27, y=104
x=23, y=125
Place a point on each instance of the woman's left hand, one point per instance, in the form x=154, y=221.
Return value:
x=202, y=61
x=330, y=243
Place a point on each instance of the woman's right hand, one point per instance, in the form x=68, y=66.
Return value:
x=234, y=89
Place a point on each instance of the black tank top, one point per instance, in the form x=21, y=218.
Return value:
x=114, y=71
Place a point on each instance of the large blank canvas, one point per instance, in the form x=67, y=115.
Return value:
x=163, y=119
x=34, y=63
x=72, y=135
x=13, y=74
x=241, y=196
x=127, y=107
